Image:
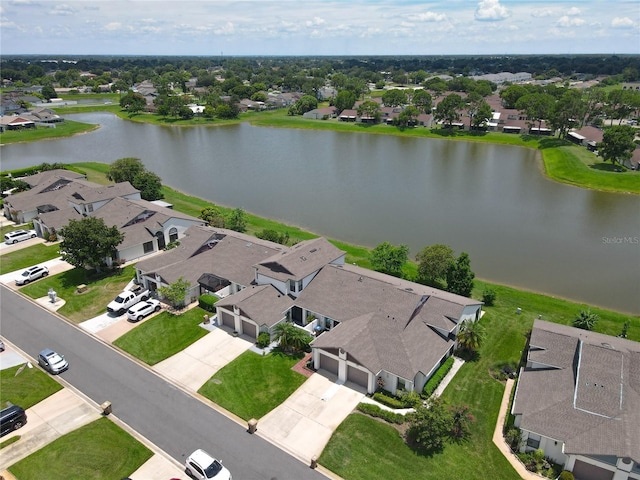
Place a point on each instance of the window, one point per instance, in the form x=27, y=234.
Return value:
x=173, y=234
x=148, y=247
x=533, y=441
x=292, y=285
x=90, y=208
x=402, y=384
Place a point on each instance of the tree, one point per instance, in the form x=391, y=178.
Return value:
x=389, y=259
x=536, y=106
x=89, y=242
x=585, y=320
x=422, y=101
x=407, y=117
x=433, y=263
x=566, y=112
x=370, y=110
x=617, y=144
x=305, y=104
x=236, y=220
x=48, y=92
x=227, y=111
x=291, y=338
x=478, y=109
x=212, y=216
x=345, y=100
x=447, y=109
x=471, y=335
x=125, y=170
x=394, y=98
x=133, y=102
x=512, y=94
x=460, y=277
x=149, y=184
x=429, y=426
x=175, y=293
x=461, y=420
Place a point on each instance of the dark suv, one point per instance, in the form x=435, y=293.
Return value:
x=12, y=418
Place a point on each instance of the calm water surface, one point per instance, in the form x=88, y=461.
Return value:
x=488, y=200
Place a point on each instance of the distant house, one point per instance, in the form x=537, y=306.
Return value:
x=16, y=122
x=320, y=113
x=578, y=399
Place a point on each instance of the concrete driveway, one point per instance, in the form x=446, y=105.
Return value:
x=304, y=423
x=55, y=266
x=197, y=363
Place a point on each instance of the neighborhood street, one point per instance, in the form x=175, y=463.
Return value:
x=169, y=417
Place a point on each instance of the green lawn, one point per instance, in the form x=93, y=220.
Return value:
x=99, y=450
x=26, y=257
x=253, y=385
x=355, y=452
x=65, y=129
x=26, y=389
x=163, y=335
x=82, y=306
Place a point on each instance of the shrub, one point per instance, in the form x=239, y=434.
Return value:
x=437, y=377
x=264, y=339
x=512, y=437
x=388, y=400
x=410, y=399
x=376, y=411
x=566, y=475
x=489, y=297
x=207, y=302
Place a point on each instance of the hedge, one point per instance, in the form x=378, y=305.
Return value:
x=437, y=377
x=207, y=302
x=376, y=411
x=388, y=401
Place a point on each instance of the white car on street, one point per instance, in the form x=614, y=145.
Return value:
x=142, y=309
x=202, y=466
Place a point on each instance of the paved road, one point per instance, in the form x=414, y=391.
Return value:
x=167, y=416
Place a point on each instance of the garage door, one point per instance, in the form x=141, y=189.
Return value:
x=249, y=329
x=329, y=364
x=586, y=471
x=227, y=319
x=357, y=376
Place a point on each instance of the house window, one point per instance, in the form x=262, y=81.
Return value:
x=292, y=285
x=90, y=208
x=533, y=441
x=173, y=234
x=147, y=247
x=402, y=384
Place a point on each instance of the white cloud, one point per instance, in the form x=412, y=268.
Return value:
x=491, y=10
x=428, y=17
x=566, y=21
x=315, y=22
x=573, y=11
x=545, y=12
x=113, y=26
x=226, y=29
x=622, y=22
x=63, y=9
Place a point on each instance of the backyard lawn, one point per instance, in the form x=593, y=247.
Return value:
x=164, y=335
x=99, y=450
x=26, y=257
x=253, y=385
x=27, y=388
x=82, y=306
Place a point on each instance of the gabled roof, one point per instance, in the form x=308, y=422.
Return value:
x=38, y=178
x=264, y=304
x=589, y=397
x=300, y=260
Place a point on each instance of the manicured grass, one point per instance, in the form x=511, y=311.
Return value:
x=26, y=257
x=353, y=451
x=29, y=387
x=64, y=129
x=253, y=385
x=82, y=306
x=163, y=335
x=96, y=451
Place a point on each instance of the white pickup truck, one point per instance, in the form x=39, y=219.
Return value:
x=127, y=299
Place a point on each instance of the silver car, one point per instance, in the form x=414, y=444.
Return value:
x=52, y=362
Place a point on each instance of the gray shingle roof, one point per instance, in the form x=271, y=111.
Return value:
x=590, y=399
x=263, y=304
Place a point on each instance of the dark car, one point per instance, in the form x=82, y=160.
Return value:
x=12, y=418
x=52, y=362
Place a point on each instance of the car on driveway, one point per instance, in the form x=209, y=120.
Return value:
x=18, y=236
x=12, y=418
x=31, y=274
x=142, y=309
x=52, y=362
x=202, y=466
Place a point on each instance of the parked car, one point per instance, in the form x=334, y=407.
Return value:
x=31, y=274
x=201, y=465
x=12, y=418
x=142, y=309
x=18, y=236
x=52, y=362
x=127, y=299
x=1, y=345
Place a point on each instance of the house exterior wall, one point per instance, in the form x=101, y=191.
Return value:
x=135, y=251
x=264, y=280
x=621, y=470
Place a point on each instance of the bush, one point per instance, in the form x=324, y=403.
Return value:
x=410, y=399
x=437, y=377
x=264, y=339
x=207, y=302
x=566, y=475
x=389, y=401
x=376, y=411
x=489, y=297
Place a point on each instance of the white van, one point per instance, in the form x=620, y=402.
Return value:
x=18, y=236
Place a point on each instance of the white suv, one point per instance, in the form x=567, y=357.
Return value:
x=31, y=274
x=202, y=466
x=142, y=309
x=18, y=236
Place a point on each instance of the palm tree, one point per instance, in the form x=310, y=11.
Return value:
x=471, y=335
x=585, y=320
x=291, y=337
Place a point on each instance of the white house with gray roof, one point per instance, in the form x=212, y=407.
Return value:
x=578, y=399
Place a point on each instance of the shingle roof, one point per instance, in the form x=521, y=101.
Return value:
x=263, y=304
x=590, y=399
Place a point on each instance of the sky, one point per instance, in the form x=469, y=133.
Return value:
x=318, y=27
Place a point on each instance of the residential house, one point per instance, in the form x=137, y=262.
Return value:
x=16, y=122
x=578, y=399
x=321, y=113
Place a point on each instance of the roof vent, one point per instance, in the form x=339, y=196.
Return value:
x=304, y=259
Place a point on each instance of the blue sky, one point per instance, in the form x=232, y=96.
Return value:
x=318, y=27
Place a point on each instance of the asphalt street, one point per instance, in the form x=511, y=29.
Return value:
x=170, y=418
